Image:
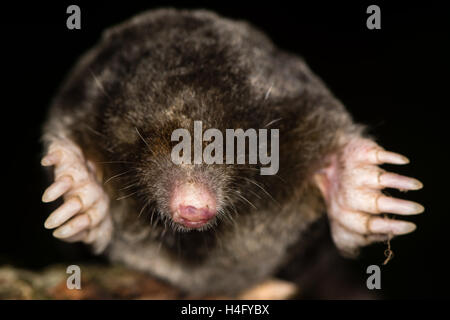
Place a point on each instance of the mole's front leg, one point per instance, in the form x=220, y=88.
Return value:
x=84, y=216
x=351, y=184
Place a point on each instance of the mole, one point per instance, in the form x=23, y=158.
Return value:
x=210, y=228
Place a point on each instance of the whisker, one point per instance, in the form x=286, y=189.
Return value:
x=98, y=133
x=107, y=162
x=245, y=199
x=143, y=208
x=234, y=207
x=128, y=195
x=248, y=190
x=268, y=92
x=142, y=137
x=264, y=190
x=272, y=122
x=129, y=186
x=151, y=219
x=115, y=176
x=229, y=216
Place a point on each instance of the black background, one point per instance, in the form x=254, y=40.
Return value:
x=395, y=80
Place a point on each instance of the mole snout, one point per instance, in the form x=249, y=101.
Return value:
x=192, y=205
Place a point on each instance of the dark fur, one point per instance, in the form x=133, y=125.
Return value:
x=161, y=71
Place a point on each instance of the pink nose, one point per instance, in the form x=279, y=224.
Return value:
x=195, y=214
x=192, y=205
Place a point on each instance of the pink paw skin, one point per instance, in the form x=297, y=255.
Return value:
x=84, y=215
x=351, y=185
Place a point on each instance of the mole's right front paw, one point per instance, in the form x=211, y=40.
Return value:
x=84, y=215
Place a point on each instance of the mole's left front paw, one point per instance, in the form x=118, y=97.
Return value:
x=351, y=186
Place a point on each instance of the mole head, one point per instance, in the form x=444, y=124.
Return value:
x=183, y=196
x=186, y=196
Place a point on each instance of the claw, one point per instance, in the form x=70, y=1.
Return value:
x=51, y=159
x=383, y=156
x=57, y=189
x=76, y=225
x=398, y=206
x=63, y=213
x=393, y=180
x=381, y=225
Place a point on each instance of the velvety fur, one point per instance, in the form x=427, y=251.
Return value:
x=162, y=70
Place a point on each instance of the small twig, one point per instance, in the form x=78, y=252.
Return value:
x=388, y=253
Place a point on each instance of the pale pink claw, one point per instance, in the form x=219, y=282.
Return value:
x=51, y=159
x=57, y=189
x=390, y=157
x=398, y=206
x=77, y=224
x=351, y=186
x=382, y=225
x=393, y=180
x=63, y=213
x=84, y=215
